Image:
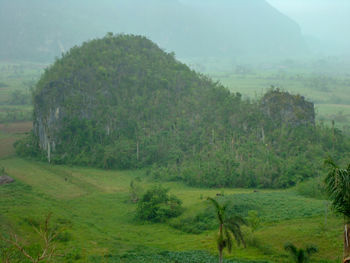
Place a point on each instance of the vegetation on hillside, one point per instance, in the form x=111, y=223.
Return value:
x=121, y=102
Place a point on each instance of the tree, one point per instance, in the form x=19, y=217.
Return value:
x=156, y=205
x=253, y=220
x=135, y=191
x=47, y=237
x=300, y=255
x=338, y=188
x=228, y=227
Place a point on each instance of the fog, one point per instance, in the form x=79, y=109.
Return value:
x=324, y=23
x=240, y=29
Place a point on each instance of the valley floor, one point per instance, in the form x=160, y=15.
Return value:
x=95, y=208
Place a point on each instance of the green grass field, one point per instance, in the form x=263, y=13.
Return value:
x=100, y=218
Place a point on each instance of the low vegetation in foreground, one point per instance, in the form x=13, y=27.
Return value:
x=98, y=215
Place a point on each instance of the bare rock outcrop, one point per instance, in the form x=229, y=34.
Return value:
x=284, y=108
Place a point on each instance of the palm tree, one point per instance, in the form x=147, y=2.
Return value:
x=338, y=188
x=300, y=255
x=228, y=227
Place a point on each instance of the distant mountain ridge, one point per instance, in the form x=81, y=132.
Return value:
x=40, y=30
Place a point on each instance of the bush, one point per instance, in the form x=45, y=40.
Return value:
x=195, y=224
x=156, y=205
x=313, y=188
x=274, y=206
x=27, y=147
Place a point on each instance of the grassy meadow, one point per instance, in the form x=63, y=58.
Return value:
x=94, y=206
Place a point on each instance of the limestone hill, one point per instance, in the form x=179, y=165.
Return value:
x=122, y=102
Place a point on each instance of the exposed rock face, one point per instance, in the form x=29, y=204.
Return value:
x=4, y=179
x=48, y=116
x=284, y=108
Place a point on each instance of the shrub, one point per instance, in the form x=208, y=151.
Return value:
x=156, y=205
x=313, y=188
x=195, y=224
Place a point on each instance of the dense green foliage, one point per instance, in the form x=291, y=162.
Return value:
x=337, y=184
x=196, y=224
x=26, y=146
x=313, y=188
x=172, y=257
x=275, y=206
x=300, y=255
x=124, y=103
x=257, y=208
x=156, y=205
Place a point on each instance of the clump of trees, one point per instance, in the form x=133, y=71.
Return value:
x=157, y=205
x=20, y=97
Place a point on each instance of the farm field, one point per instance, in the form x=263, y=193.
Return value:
x=16, y=83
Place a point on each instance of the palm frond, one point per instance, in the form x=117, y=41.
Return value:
x=229, y=241
x=330, y=163
x=235, y=229
x=338, y=187
x=291, y=248
x=237, y=220
x=311, y=250
x=214, y=202
x=220, y=210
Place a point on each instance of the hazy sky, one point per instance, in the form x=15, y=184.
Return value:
x=325, y=23
x=328, y=20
